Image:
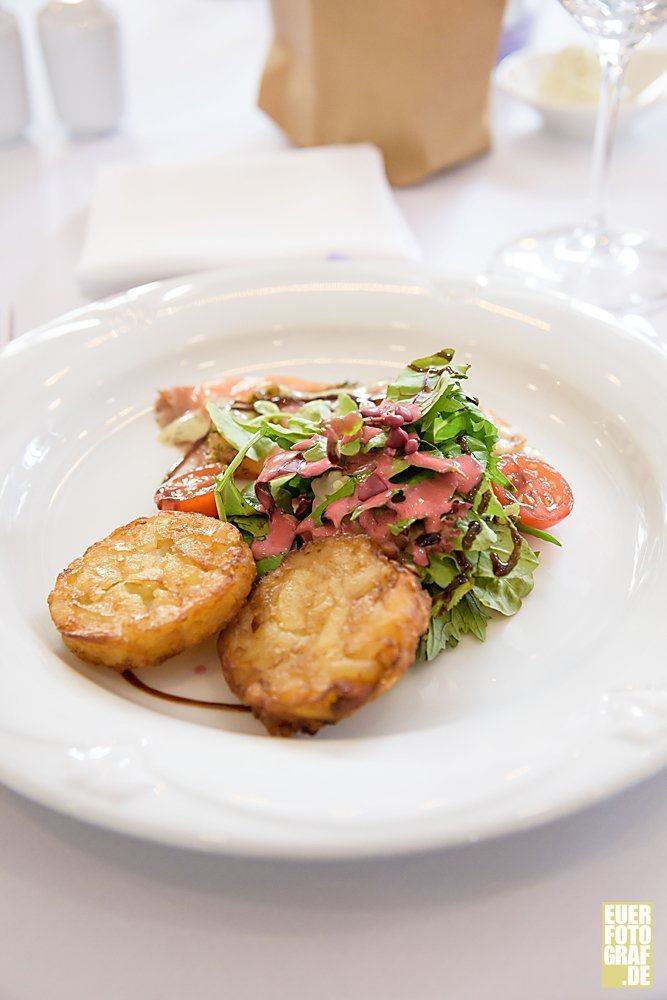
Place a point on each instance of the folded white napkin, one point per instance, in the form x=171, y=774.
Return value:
x=149, y=222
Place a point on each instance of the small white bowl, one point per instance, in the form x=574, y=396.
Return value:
x=521, y=73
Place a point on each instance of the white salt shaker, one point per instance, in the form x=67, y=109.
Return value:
x=81, y=46
x=14, y=108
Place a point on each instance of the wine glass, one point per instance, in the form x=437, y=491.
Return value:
x=617, y=270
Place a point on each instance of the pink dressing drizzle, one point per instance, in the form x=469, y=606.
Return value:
x=303, y=445
x=312, y=469
x=419, y=555
x=467, y=467
x=309, y=530
x=346, y=425
x=279, y=465
x=282, y=529
x=430, y=498
x=282, y=464
x=376, y=526
x=368, y=433
x=337, y=510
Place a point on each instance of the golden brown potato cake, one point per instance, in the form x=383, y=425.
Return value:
x=333, y=627
x=151, y=589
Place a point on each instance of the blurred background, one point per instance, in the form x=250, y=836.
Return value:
x=190, y=73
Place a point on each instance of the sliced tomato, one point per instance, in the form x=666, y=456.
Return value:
x=543, y=494
x=193, y=490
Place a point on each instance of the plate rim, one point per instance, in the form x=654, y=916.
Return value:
x=99, y=814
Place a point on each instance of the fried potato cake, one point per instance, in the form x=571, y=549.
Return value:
x=151, y=589
x=332, y=628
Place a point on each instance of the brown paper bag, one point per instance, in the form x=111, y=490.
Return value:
x=412, y=76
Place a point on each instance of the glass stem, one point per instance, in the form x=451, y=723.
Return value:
x=613, y=63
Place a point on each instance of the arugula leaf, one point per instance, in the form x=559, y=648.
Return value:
x=269, y=563
x=252, y=528
x=434, y=639
x=441, y=359
x=281, y=495
x=445, y=429
x=341, y=486
x=254, y=445
x=250, y=498
x=226, y=490
x=526, y=529
x=504, y=593
x=265, y=407
x=492, y=506
x=324, y=486
x=399, y=526
x=230, y=500
x=424, y=387
x=317, y=451
x=345, y=405
x=441, y=570
x=486, y=537
x=447, y=629
x=313, y=412
x=378, y=441
x=468, y=616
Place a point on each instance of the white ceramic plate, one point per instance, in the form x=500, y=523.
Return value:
x=562, y=705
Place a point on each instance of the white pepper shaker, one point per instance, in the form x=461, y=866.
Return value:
x=14, y=107
x=81, y=46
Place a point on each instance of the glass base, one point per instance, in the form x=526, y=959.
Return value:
x=620, y=272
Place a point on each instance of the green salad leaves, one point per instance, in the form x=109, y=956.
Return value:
x=414, y=469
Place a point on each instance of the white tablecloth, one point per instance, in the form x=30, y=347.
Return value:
x=87, y=914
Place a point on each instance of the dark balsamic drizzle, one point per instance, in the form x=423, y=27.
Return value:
x=465, y=566
x=330, y=394
x=471, y=494
x=180, y=465
x=432, y=538
x=484, y=502
x=136, y=682
x=471, y=534
x=501, y=568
